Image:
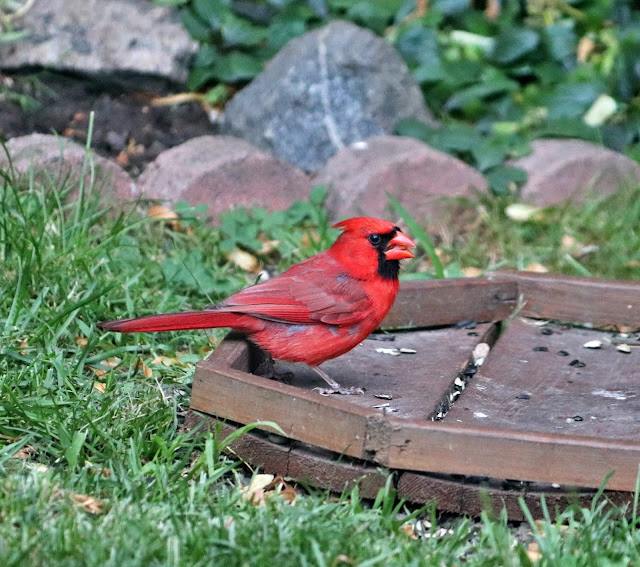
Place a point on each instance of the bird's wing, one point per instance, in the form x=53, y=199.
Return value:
x=310, y=292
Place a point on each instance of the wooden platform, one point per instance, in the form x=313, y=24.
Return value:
x=543, y=410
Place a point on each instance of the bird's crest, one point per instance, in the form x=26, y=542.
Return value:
x=369, y=223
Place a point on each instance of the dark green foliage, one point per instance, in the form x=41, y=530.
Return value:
x=516, y=77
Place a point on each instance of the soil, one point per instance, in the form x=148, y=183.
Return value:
x=127, y=126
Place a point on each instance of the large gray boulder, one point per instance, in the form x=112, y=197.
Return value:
x=109, y=39
x=323, y=91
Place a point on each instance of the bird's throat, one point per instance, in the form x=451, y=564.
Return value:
x=388, y=269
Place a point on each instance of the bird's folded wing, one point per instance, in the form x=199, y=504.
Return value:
x=304, y=298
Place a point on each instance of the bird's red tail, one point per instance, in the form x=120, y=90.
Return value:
x=181, y=321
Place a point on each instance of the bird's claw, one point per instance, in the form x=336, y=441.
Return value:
x=352, y=391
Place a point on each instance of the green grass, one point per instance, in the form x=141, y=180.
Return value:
x=81, y=417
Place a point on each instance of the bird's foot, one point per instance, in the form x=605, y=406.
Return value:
x=334, y=387
x=352, y=391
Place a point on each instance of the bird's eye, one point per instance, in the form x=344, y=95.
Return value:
x=375, y=239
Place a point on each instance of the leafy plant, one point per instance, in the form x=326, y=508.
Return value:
x=495, y=79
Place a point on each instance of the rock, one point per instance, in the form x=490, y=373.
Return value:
x=108, y=39
x=223, y=171
x=60, y=159
x=559, y=169
x=416, y=174
x=323, y=91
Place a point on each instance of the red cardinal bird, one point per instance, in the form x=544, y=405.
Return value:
x=316, y=310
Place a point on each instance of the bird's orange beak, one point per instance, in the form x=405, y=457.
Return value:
x=399, y=247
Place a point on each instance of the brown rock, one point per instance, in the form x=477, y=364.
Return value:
x=416, y=174
x=562, y=169
x=223, y=171
x=61, y=160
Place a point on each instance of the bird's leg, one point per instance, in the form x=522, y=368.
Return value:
x=266, y=367
x=334, y=387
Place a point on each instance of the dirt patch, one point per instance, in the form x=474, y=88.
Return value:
x=127, y=127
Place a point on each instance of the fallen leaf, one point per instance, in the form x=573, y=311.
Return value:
x=586, y=45
x=81, y=341
x=254, y=493
x=111, y=363
x=282, y=488
x=25, y=452
x=160, y=212
x=122, y=158
x=171, y=218
x=265, y=486
x=408, y=530
x=244, y=260
x=536, y=267
x=522, y=212
x=166, y=361
x=472, y=272
x=269, y=246
x=568, y=241
x=100, y=386
x=88, y=503
x=343, y=559
x=533, y=552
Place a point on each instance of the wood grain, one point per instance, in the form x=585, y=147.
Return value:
x=502, y=453
x=431, y=303
x=525, y=388
x=570, y=298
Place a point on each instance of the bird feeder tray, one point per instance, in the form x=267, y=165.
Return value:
x=541, y=414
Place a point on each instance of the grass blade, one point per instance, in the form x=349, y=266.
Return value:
x=420, y=235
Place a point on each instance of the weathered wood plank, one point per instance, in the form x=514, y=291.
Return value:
x=589, y=392
x=501, y=453
x=304, y=462
x=472, y=495
x=415, y=383
x=570, y=298
x=245, y=398
x=431, y=303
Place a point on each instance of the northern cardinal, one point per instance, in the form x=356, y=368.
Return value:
x=318, y=309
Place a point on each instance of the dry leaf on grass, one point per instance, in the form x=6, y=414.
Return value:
x=537, y=268
x=265, y=486
x=110, y=363
x=533, y=552
x=25, y=452
x=343, y=559
x=408, y=530
x=167, y=361
x=81, y=341
x=100, y=386
x=522, y=212
x=244, y=260
x=472, y=272
x=88, y=503
x=159, y=212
